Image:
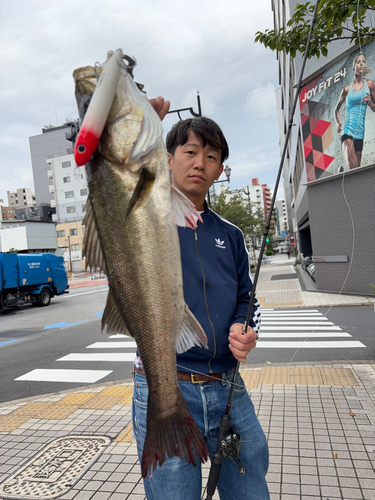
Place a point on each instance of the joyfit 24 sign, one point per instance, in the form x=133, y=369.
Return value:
x=338, y=116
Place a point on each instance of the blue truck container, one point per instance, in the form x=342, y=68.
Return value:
x=34, y=278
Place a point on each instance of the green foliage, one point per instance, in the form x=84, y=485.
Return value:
x=241, y=213
x=12, y=250
x=335, y=20
x=269, y=253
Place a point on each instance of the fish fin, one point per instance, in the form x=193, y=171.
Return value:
x=112, y=317
x=191, y=333
x=173, y=435
x=183, y=210
x=152, y=129
x=92, y=249
x=142, y=190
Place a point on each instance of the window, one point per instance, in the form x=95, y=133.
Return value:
x=70, y=210
x=83, y=207
x=69, y=194
x=75, y=247
x=83, y=229
x=60, y=233
x=65, y=164
x=83, y=192
x=73, y=232
x=66, y=179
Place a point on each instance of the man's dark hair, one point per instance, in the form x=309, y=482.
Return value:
x=206, y=129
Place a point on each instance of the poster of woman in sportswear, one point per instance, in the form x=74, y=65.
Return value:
x=337, y=130
x=358, y=96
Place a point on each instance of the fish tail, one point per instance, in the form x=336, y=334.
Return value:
x=174, y=435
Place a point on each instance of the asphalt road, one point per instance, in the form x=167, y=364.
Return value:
x=60, y=347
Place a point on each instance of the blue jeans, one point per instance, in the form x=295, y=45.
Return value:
x=179, y=480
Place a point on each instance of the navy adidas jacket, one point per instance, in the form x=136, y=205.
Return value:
x=217, y=288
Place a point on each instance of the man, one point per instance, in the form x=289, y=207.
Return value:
x=216, y=288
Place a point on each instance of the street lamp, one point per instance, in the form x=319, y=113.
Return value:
x=227, y=172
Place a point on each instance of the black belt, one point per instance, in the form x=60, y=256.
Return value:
x=194, y=378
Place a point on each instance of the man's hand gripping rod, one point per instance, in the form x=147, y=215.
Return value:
x=225, y=434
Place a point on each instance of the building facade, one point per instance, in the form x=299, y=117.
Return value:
x=21, y=198
x=68, y=187
x=52, y=140
x=328, y=202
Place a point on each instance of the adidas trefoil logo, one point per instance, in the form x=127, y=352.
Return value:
x=219, y=243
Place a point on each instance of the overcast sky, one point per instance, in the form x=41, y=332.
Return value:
x=181, y=47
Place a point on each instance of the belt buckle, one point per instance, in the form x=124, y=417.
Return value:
x=193, y=381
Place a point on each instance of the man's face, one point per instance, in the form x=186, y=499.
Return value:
x=194, y=168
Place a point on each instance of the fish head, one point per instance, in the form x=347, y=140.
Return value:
x=133, y=130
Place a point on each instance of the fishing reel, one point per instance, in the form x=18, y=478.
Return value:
x=230, y=446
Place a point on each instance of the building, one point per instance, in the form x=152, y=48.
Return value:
x=267, y=198
x=330, y=205
x=59, y=182
x=68, y=187
x=70, y=242
x=52, y=140
x=7, y=213
x=28, y=236
x=282, y=226
x=21, y=198
x=42, y=212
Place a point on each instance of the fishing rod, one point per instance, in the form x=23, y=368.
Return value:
x=229, y=442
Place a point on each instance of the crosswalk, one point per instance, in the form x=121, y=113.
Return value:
x=83, y=375
x=283, y=326
x=286, y=329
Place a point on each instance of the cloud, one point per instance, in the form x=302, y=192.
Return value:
x=261, y=101
x=181, y=48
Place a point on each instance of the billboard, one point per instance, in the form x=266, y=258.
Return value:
x=338, y=116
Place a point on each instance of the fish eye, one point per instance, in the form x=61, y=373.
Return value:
x=85, y=103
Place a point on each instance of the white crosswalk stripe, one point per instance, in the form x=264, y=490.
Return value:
x=82, y=374
x=305, y=324
x=292, y=329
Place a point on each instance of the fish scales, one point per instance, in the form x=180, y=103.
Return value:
x=132, y=235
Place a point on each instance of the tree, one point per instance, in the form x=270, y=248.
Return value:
x=335, y=20
x=250, y=219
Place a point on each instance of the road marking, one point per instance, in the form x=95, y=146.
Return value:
x=310, y=345
x=315, y=322
x=308, y=328
x=111, y=357
x=272, y=335
x=68, y=296
x=112, y=345
x=9, y=342
x=307, y=317
x=120, y=336
x=289, y=311
x=80, y=376
x=62, y=324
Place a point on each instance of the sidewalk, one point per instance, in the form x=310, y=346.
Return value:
x=319, y=420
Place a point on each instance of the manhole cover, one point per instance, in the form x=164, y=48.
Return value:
x=292, y=276
x=56, y=469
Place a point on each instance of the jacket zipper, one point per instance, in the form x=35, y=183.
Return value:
x=205, y=298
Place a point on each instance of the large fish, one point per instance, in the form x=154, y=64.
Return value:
x=131, y=234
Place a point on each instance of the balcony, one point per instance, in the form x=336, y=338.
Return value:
x=50, y=174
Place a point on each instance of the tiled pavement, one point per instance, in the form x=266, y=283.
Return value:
x=319, y=421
